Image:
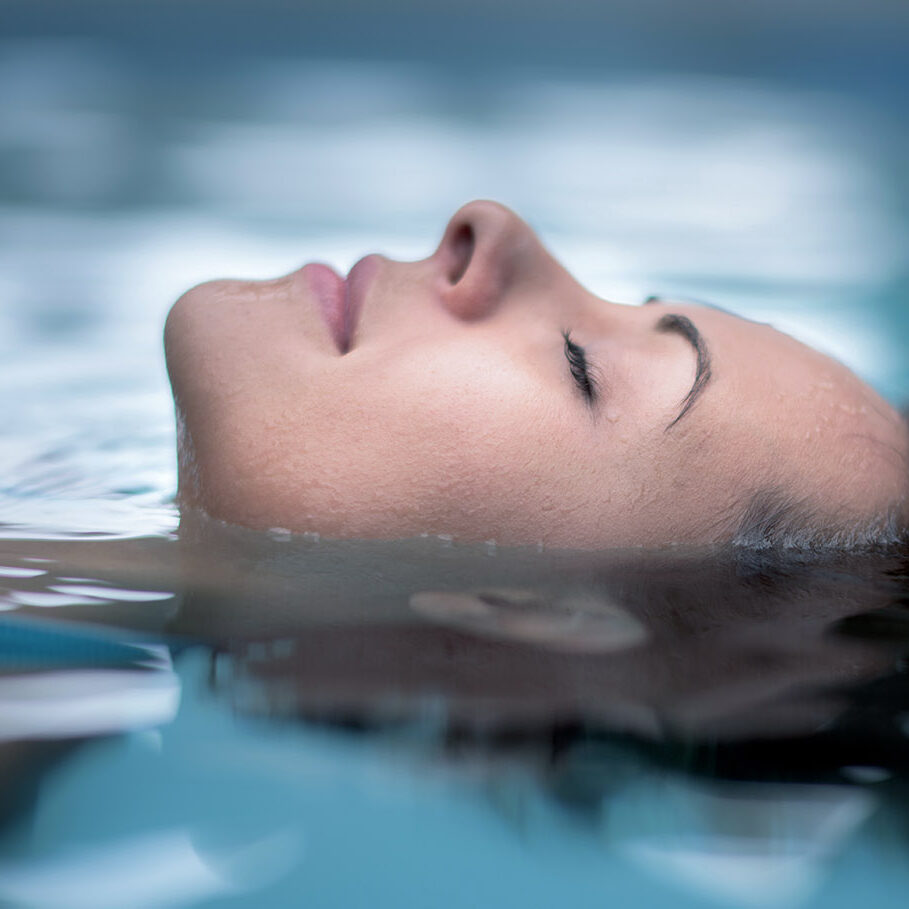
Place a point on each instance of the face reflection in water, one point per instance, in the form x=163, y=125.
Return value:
x=483, y=393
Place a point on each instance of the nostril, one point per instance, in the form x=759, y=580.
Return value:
x=462, y=244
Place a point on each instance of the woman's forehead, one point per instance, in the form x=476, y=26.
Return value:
x=747, y=349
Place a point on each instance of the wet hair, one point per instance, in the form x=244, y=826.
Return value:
x=777, y=519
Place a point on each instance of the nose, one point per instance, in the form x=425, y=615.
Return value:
x=485, y=250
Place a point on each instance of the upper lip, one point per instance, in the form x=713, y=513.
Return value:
x=340, y=300
x=355, y=289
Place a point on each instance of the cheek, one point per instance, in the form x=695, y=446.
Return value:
x=463, y=445
x=455, y=444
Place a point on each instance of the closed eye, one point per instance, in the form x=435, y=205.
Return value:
x=580, y=369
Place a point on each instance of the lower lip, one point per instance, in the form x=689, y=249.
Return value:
x=340, y=300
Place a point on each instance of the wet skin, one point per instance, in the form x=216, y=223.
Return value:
x=459, y=407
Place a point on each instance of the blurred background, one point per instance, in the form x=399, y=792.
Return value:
x=750, y=154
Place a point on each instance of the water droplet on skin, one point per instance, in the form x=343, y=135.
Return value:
x=279, y=534
x=490, y=547
x=311, y=536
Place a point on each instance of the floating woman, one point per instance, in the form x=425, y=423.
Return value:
x=483, y=393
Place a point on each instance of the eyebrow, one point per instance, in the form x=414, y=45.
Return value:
x=682, y=325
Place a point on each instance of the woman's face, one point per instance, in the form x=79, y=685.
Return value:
x=442, y=397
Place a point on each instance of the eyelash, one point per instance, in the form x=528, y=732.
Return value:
x=579, y=368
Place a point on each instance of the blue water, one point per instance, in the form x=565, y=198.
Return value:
x=284, y=816
x=209, y=806
x=753, y=159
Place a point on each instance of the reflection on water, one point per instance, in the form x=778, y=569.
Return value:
x=679, y=728
x=53, y=689
x=161, y=869
x=748, y=844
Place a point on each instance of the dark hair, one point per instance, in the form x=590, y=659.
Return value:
x=775, y=519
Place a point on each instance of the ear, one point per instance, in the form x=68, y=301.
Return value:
x=580, y=623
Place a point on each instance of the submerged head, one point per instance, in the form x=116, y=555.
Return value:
x=483, y=393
